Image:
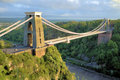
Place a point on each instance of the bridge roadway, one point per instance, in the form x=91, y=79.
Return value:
x=49, y=42
x=73, y=37
x=15, y=49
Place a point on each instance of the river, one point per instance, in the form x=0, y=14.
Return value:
x=84, y=74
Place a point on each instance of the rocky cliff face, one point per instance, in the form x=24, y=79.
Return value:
x=27, y=67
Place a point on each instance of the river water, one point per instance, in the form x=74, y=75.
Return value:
x=84, y=74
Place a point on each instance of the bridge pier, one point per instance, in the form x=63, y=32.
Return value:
x=34, y=34
x=105, y=37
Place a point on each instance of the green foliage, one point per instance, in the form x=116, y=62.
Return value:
x=2, y=57
x=106, y=55
x=5, y=44
x=25, y=66
x=15, y=36
x=2, y=44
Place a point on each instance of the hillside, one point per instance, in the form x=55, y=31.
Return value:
x=105, y=56
x=27, y=67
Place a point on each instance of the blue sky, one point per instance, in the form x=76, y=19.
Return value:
x=62, y=8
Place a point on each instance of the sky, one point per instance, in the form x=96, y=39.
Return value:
x=62, y=8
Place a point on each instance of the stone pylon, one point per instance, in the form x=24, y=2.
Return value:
x=34, y=33
x=105, y=37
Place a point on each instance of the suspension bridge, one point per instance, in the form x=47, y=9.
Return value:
x=34, y=41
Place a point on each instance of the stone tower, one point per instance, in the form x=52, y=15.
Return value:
x=34, y=33
x=105, y=37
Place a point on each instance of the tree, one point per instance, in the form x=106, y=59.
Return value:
x=2, y=44
x=115, y=63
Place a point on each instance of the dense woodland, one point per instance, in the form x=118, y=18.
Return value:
x=5, y=44
x=106, y=55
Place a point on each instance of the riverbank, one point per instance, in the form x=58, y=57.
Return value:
x=85, y=74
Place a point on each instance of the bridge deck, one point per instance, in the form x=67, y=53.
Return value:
x=15, y=50
x=73, y=37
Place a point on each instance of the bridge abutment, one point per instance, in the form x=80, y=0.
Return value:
x=39, y=52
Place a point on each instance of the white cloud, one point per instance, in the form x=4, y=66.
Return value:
x=74, y=1
x=66, y=14
x=69, y=14
x=115, y=4
x=21, y=6
x=59, y=4
x=61, y=7
x=117, y=1
x=2, y=10
x=95, y=2
x=15, y=1
x=71, y=0
x=8, y=0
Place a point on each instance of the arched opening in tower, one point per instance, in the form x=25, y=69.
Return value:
x=30, y=40
x=30, y=28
